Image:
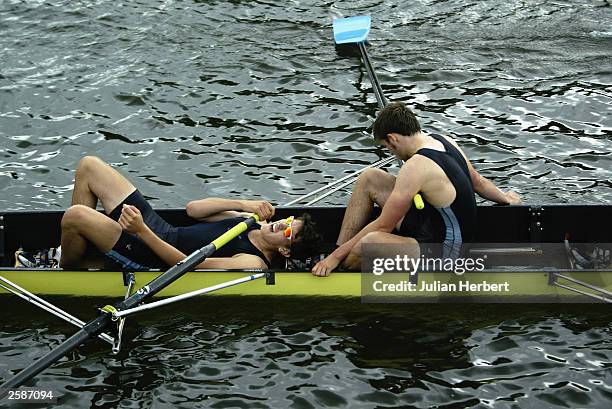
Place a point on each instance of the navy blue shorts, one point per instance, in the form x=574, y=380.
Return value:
x=421, y=225
x=131, y=253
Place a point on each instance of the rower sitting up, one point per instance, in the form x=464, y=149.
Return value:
x=435, y=167
x=135, y=237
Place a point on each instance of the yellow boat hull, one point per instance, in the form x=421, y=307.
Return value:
x=431, y=286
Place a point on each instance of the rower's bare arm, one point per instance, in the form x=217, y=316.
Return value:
x=239, y=261
x=487, y=189
x=409, y=182
x=214, y=209
x=484, y=187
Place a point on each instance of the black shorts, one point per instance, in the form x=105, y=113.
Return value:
x=131, y=253
x=421, y=225
x=427, y=227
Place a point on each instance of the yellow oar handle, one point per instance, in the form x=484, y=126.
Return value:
x=418, y=201
x=232, y=233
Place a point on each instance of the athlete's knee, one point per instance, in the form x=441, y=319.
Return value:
x=372, y=180
x=412, y=247
x=372, y=237
x=89, y=165
x=369, y=175
x=75, y=216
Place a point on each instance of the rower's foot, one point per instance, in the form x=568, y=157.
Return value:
x=18, y=263
x=46, y=258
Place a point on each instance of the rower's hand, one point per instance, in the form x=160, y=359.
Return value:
x=263, y=209
x=513, y=198
x=324, y=267
x=131, y=219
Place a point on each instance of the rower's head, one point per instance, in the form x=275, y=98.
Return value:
x=395, y=127
x=297, y=238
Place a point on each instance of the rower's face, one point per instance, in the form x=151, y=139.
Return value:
x=283, y=232
x=397, y=145
x=389, y=145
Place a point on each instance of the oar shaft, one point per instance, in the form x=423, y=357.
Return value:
x=58, y=312
x=95, y=327
x=378, y=93
x=90, y=330
x=378, y=164
x=165, y=279
x=180, y=268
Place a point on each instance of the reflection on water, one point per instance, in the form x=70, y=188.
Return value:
x=274, y=352
x=251, y=99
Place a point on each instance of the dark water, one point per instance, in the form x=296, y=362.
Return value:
x=230, y=98
x=275, y=353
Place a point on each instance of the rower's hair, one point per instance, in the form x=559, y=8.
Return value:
x=308, y=241
x=395, y=118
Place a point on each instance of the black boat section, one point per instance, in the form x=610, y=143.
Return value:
x=517, y=225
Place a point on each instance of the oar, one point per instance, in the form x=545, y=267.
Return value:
x=355, y=30
x=95, y=327
x=356, y=173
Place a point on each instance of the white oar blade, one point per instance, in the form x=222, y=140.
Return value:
x=351, y=29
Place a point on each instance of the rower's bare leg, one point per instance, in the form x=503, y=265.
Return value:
x=81, y=224
x=372, y=186
x=94, y=180
x=410, y=247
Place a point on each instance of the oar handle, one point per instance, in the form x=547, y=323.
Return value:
x=418, y=201
x=233, y=232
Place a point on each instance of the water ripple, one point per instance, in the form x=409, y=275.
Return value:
x=278, y=353
x=505, y=79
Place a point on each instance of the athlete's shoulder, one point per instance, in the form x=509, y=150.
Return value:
x=456, y=145
x=449, y=139
x=417, y=160
x=416, y=167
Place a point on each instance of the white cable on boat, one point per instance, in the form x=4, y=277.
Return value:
x=185, y=296
x=331, y=192
x=378, y=164
x=47, y=306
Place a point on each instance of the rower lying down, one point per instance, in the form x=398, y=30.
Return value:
x=135, y=237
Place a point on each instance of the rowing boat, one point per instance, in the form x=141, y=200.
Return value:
x=512, y=238
x=518, y=232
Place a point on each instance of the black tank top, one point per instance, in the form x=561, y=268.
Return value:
x=193, y=237
x=451, y=225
